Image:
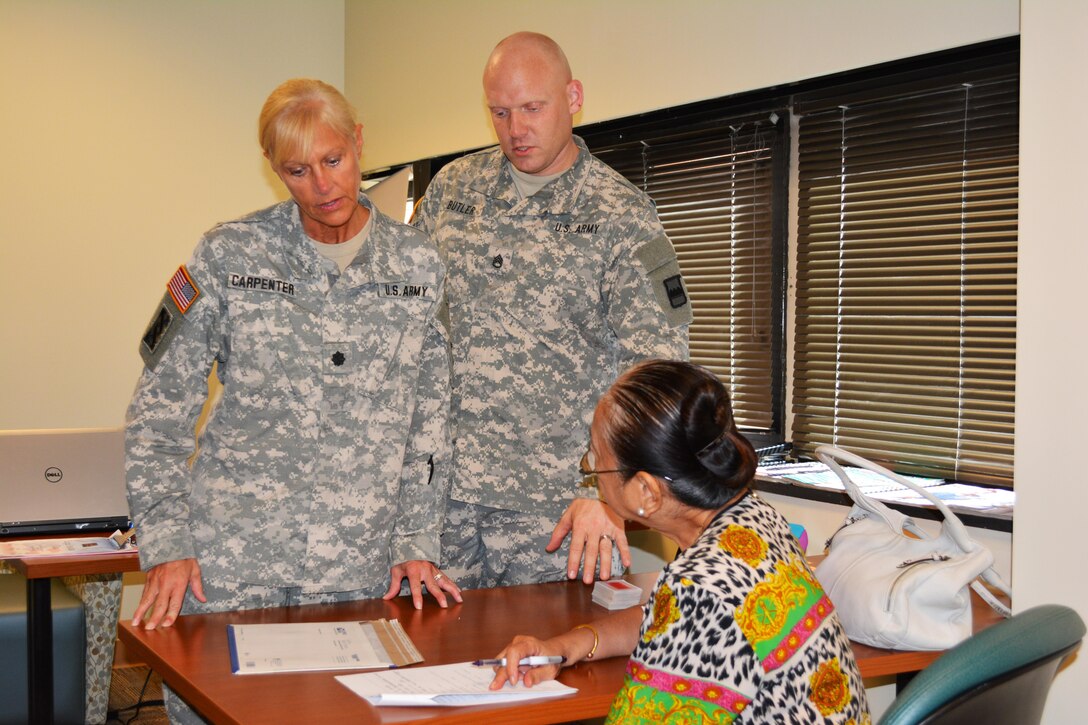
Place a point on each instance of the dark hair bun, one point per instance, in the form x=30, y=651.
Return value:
x=728, y=459
x=718, y=455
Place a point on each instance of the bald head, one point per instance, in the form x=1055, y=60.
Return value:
x=527, y=48
x=533, y=100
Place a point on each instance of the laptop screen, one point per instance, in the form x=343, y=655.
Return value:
x=62, y=481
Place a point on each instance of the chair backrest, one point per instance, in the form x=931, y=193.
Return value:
x=1001, y=674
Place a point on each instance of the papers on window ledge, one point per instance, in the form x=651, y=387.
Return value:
x=297, y=647
x=444, y=685
x=814, y=473
x=957, y=496
x=27, y=548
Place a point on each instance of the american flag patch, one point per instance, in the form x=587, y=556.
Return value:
x=182, y=289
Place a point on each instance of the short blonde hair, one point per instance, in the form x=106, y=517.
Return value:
x=292, y=113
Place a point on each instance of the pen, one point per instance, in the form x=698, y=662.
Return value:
x=534, y=661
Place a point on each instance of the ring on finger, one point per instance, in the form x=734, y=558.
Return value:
x=438, y=575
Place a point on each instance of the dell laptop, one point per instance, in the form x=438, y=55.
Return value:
x=62, y=481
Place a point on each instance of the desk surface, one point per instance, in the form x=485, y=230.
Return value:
x=192, y=657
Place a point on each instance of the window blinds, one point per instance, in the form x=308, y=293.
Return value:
x=906, y=275
x=713, y=188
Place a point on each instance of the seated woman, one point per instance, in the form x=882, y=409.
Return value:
x=737, y=629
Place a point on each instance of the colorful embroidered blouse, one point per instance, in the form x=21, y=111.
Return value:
x=738, y=630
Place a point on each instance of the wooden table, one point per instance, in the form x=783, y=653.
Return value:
x=191, y=656
x=38, y=571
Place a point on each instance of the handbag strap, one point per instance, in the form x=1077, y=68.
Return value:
x=831, y=455
x=987, y=596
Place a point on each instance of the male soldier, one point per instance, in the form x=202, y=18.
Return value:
x=559, y=277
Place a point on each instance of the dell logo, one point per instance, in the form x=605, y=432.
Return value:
x=53, y=474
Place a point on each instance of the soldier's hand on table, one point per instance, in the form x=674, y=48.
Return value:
x=594, y=530
x=420, y=572
x=164, y=592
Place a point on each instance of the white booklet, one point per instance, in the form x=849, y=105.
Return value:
x=444, y=685
x=302, y=646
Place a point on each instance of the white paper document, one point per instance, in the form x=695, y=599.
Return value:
x=444, y=685
x=303, y=646
x=814, y=473
x=995, y=502
x=26, y=548
x=960, y=496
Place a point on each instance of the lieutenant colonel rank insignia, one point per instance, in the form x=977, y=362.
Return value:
x=182, y=289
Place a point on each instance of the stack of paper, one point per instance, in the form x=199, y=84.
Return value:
x=616, y=594
x=26, y=548
x=445, y=685
x=957, y=496
x=814, y=473
x=302, y=646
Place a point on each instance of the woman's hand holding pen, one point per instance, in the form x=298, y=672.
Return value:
x=610, y=636
x=520, y=648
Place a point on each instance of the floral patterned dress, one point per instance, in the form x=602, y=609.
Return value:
x=738, y=630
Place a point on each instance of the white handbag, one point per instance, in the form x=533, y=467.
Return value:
x=892, y=584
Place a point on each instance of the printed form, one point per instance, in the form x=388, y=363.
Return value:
x=447, y=685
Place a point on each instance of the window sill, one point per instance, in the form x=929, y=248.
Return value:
x=1001, y=522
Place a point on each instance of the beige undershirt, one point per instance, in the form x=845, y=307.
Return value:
x=343, y=253
x=529, y=184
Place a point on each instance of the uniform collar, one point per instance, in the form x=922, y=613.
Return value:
x=558, y=198
x=379, y=259
x=300, y=248
x=363, y=267
x=287, y=231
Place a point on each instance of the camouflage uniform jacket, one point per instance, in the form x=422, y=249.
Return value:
x=326, y=459
x=549, y=298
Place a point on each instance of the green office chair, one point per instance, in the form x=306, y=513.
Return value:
x=1002, y=674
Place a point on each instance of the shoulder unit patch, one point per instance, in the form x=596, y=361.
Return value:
x=163, y=327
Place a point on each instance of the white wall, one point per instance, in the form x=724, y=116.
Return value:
x=128, y=128
x=414, y=67
x=1051, y=397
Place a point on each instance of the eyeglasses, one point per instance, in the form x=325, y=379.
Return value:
x=589, y=476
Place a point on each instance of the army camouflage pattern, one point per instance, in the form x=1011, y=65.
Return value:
x=327, y=458
x=485, y=547
x=550, y=297
x=101, y=595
